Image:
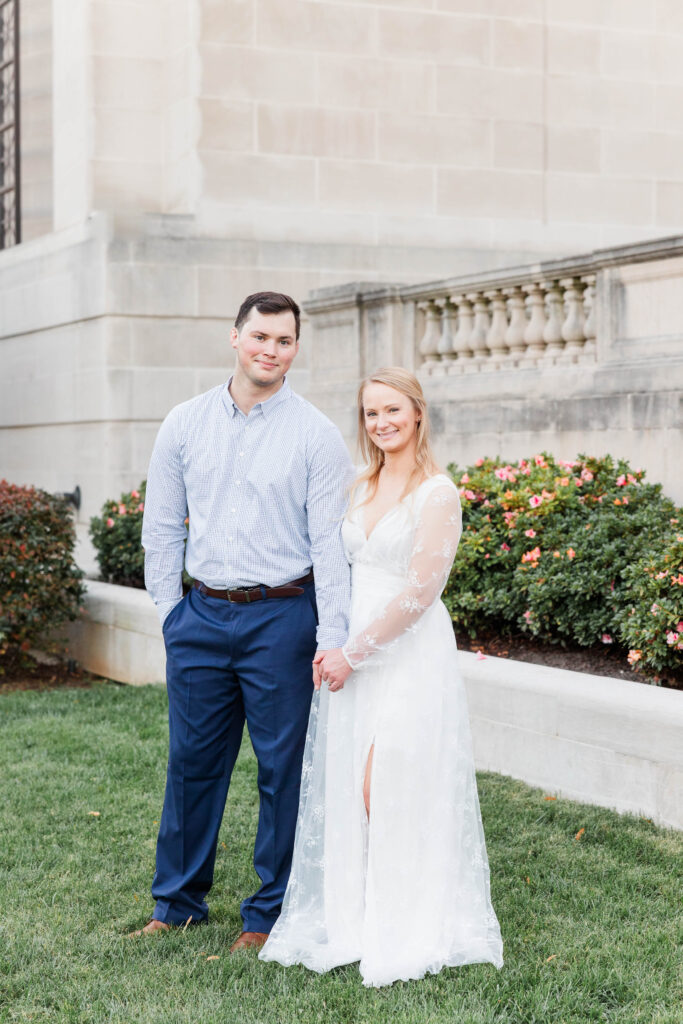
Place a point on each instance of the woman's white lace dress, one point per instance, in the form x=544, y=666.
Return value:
x=406, y=892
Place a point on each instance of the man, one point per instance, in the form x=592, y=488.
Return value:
x=262, y=475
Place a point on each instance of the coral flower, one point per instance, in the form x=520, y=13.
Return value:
x=135, y=494
x=634, y=656
x=110, y=522
x=479, y=462
x=464, y=479
x=529, y=533
x=571, y=553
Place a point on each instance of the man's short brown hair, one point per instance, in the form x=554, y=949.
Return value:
x=268, y=302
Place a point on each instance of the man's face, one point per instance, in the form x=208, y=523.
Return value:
x=266, y=346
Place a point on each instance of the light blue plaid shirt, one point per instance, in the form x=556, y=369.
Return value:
x=265, y=493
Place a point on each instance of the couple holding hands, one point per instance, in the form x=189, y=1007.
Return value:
x=369, y=844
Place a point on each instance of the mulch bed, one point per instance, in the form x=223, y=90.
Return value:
x=34, y=675
x=600, y=660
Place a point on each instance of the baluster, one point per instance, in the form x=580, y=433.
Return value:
x=514, y=336
x=495, y=336
x=480, y=328
x=446, y=342
x=534, y=334
x=461, y=342
x=429, y=346
x=573, y=326
x=552, y=333
x=590, y=328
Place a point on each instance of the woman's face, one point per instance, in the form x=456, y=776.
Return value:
x=390, y=418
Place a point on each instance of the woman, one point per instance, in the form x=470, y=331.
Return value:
x=389, y=864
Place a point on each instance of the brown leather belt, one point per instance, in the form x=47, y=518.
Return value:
x=245, y=595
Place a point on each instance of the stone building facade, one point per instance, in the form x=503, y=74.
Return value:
x=178, y=154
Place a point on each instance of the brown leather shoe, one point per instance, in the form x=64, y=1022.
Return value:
x=249, y=940
x=151, y=928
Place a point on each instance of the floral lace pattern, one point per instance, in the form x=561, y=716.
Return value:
x=407, y=891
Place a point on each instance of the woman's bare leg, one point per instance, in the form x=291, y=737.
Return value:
x=367, y=780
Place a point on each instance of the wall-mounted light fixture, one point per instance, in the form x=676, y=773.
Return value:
x=71, y=497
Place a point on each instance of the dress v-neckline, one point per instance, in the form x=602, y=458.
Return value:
x=393, y=508
x=387, y=513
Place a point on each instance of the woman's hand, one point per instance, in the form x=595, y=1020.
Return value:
x=330, y=667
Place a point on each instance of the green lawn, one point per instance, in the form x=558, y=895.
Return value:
x=589, y=925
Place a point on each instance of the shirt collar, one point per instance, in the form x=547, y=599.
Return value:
x=265, y=408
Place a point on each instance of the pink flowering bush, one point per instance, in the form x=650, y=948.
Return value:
x=551, y=548
x=40, y=583
x=651, y=622
x=116, y=534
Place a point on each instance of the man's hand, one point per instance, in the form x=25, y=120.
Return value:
x=332, y=668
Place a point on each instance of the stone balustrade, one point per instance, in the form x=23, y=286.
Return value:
x=575, y=354
x=487, y=329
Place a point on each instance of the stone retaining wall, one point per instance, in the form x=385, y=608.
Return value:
x=602, y=741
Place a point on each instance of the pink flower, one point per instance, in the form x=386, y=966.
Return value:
x=535, y=500
x=634, y=656
x=480, y=656
x=135, y=494
x=529, y=533
x=464, y=479
x=578, y=481
x=566, y=463
x=110, y=522
x=510, y=517
x=606, y=638
x=631, y=479
x=654, y=609
x=679, y=627
x=540, y=461
x=479, y=462
x=487, y=556
x=624, y=500
x=505, y=473
x=527, y=615
x=141, y=507
x=504, y=547
x=621, y=481
x=571, y=553
x=122, y=510
x=470, y=495
x=586, y=475
x=532, y=556
x=564, y=481
x=671, y=638
x=660, y=575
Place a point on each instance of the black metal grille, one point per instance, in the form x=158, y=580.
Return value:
x=10, y=181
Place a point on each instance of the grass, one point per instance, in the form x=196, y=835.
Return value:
x=589, y=924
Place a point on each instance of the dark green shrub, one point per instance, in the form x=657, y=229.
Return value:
x=651, y=623
x=549, y=548
x=116, y=534
x=40, y=584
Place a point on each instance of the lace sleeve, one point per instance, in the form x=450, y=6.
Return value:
x=436, y=539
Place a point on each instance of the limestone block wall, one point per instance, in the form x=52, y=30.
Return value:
x=507, y=125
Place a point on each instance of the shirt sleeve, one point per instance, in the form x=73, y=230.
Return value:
x=437, y=533
x=163, y=523
x=330, y=473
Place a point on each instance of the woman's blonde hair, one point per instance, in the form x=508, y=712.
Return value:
x=425, y=464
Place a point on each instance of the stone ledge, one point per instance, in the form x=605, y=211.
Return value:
x=609, y=742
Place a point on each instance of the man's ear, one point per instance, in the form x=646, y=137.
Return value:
x=234, y=337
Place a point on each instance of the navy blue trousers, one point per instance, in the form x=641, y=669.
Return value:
x=227, y=663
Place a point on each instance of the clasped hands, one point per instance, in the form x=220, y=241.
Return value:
x=330, y=667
